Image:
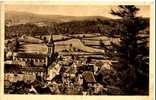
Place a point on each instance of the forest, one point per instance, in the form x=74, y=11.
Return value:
x=105, y=27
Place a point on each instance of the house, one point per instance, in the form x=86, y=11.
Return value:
x=88, y=79
x=33, y=58
x=14, y=73
x=53, y=70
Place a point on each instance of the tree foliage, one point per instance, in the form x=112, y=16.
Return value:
x=133, y=51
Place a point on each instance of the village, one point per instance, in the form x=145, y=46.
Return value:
x=50, y=72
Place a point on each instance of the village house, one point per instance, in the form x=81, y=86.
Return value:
x=88, y=79
x=14, y=73
x=53, y=70
x=34, y=59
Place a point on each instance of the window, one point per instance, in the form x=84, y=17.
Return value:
x=35, y=60
x=44, y=60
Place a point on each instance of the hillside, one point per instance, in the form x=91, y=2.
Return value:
x=15, y=18
x=20, y=23
x=73, y=27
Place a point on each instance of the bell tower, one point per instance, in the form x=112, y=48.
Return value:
x=51, y=49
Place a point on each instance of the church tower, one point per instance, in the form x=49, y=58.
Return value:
x=51, y=50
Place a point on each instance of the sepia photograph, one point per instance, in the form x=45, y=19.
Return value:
x=76, y=49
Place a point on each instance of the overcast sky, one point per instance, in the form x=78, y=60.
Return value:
x=73, y=10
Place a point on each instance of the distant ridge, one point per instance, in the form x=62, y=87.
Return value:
x=14, y=18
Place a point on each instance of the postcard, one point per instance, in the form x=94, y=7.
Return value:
x=78, y=50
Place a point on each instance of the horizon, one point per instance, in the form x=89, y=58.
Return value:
x=73, y=11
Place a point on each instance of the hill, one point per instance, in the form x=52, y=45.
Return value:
x=15, y=18
x=20, y=23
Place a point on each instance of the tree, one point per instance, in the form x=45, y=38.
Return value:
x=132, y=53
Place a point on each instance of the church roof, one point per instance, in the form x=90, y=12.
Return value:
x=34, y=48
x=31, y=55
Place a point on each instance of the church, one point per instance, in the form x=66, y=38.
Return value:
x=35, y=55
x=34, y=62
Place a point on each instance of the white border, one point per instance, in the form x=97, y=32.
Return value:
x=86, y=2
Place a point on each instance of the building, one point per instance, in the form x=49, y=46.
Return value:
x=14, y=73
x=88, y=79
x=30, y=58
x=53, y=71
x=38, y=54
x=33, y=62
x=51, y=50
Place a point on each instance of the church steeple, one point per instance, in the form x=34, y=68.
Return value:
x=51, y=46
x=51, y=41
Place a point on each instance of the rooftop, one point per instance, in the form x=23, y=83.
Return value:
x=34, y=48
x=88, y=77
x=12, y=68
x=31, y=55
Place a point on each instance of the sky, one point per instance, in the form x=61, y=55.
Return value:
x=74, y=10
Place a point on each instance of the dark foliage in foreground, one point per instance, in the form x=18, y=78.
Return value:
x=132, y=53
